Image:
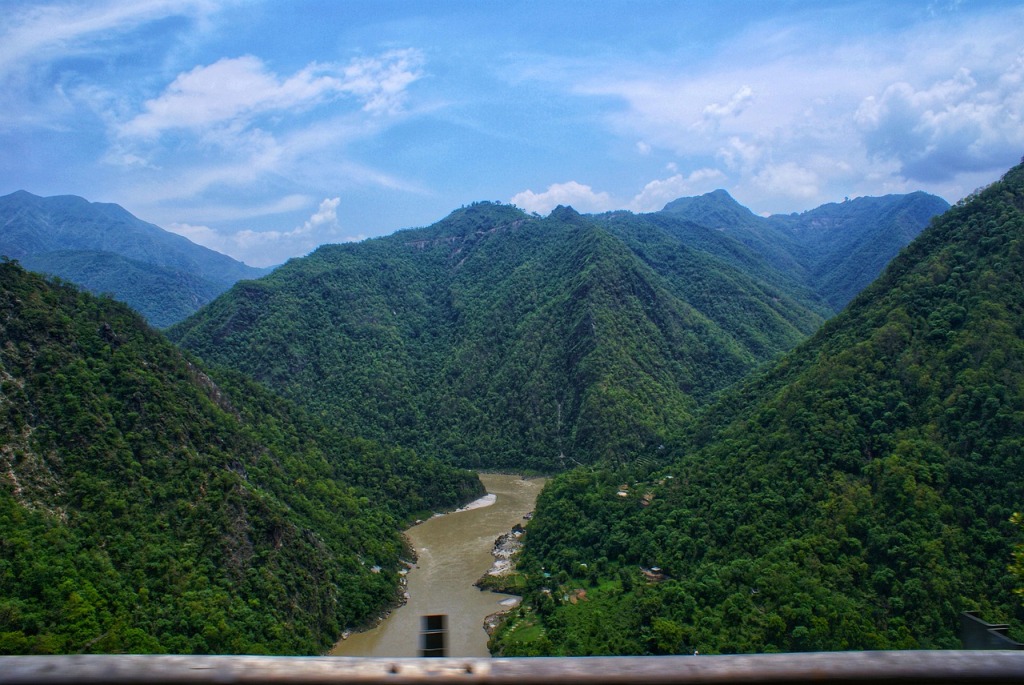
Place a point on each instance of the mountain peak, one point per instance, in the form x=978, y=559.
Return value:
x=719, y=197
x=715, y=209
x=720, y=194
x=564, y=213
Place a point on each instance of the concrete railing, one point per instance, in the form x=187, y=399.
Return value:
x=832, y=667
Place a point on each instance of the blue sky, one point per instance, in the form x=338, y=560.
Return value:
x=263, y=129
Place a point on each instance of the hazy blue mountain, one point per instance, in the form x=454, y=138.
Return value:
x=846, y=245
x=163, y=295
x=718, y=211
x=105, y=249
x=835, y=249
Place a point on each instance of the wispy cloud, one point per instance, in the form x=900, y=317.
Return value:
x=206, y=211
x=50, y=56
x=42, y=31
x=237, y=125
x=268, y=248
x=232, y=92
x=776, y=107
x=306, y=158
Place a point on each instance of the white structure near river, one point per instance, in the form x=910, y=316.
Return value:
x=453, y=552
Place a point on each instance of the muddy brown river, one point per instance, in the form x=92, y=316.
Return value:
x=453, y=551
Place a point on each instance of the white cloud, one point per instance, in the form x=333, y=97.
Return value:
x=716, y=112
x=381, y=81
x=325, y=216
x=965, y=123
x=236, y=124
x=268, y=248
x=656, y=194
x=740, y=154
x=788, y=122
x=233, y=91
x=829, y=109
x=788, y=180
x=737, y=103
x=580, y=197
x=202, y=235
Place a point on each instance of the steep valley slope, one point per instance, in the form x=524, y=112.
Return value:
x=856, y=495
x=147, y=505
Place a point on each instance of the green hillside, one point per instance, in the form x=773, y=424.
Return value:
x=494, y=338
x=767, y=308
x=846, y=245
x=162, y=295
x=858, y=495
x=147, y=505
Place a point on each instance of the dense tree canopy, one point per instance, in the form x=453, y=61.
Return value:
x=147, y=505
x=858, y=495
x=495, y=338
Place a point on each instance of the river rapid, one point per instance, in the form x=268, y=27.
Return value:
x=453, y=552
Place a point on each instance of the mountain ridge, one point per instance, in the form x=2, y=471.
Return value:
x=494, y=337
x=838, y=247
x=491, y=338
x=70, y=237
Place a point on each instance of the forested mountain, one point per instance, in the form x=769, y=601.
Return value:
x=836, y=249
x=106, y=250
x=857, y=495
x=492, y=338
x=147, y=505
x=496, y=338
x=163, y=295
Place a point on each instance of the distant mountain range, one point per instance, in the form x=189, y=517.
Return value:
x=105, y=249
x=496, y=338
x=837, y=248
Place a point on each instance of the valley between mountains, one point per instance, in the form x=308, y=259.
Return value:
x=797, y=432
